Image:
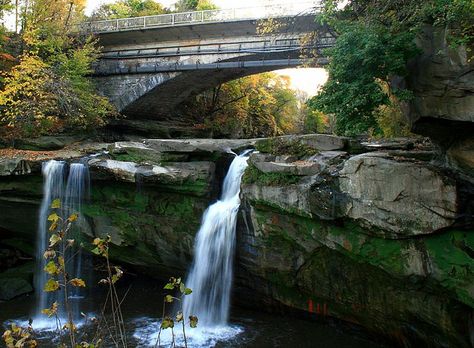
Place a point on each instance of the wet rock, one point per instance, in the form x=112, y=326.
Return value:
x=13, y=287
x=14, y=166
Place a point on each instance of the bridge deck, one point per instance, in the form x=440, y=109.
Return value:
x=294, y=8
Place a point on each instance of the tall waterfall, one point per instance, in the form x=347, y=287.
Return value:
x=53, y=187
x=210, y=277
x=71, y=192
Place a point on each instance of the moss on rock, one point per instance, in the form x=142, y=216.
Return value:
x=253, y=175
x=285, y=146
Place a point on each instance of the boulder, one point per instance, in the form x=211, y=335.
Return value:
x=290, y=198
x=400, y=198
x=324, y=142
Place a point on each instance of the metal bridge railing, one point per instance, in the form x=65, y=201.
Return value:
x=183, y=18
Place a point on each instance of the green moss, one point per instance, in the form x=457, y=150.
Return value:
x=450, y=254
x=23, y=245
x=285, y=146
x=138, y=156
x=253, y=175
x=24, y=185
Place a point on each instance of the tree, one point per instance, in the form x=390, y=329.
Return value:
x=129, y=8
x=194, y=5
x=375, y=40
x=257, y=105
x=49, y=91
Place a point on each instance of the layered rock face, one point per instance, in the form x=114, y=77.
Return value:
x=148, y=196
x=379, y=239
x=442, y=79
x=374, y=234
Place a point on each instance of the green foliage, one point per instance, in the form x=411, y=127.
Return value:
x=48, y=90
x=129, y=8
x=260, y=105
x=361, y=58
x=375, y=41
x=253, y=175
x=167, y=322
x=194, y=5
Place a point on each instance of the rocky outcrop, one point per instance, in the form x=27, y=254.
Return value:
x=403, y=198
x=442, y=80
x=370, y=239
x=381, y=238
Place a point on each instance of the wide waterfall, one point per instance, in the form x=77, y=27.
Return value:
x=71, y=192
x=210, y=277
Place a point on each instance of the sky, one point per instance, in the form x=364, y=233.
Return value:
x=308, y=80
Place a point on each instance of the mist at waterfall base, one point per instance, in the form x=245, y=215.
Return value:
x=210, y=277
x=69, y=184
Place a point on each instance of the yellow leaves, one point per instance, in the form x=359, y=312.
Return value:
x=56, y=204
x=18, y=337
x=53, y=310
x=168, y=298
x=118, y=274
x=53, y=240
x=51, y=285
x=54, y=218
x=102, y=246
x=78, y=283
x=70, y=326
x=49, y=254
x=167, y=323
x=61, y=262
x=51, y=268
x=73, y=218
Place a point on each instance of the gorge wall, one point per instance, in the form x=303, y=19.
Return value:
x=376, y=234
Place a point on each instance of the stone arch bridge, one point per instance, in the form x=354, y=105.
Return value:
x=151, y=64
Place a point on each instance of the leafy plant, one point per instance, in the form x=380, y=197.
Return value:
x=18, y=337
x=60, y=279
x=114, y=273
x=168, y=322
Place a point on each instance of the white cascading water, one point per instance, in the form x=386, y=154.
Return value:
x=71, y=193
x=211, y=274
x=53, y=187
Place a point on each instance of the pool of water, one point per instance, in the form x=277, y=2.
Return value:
x=142, y=309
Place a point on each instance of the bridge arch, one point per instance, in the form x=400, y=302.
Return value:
x=147, y=72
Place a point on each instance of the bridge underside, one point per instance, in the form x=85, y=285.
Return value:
x=156, y=96
x=147, y=76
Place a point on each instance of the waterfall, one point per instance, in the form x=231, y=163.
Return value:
x=71, y=192
x=211, y=274
x=53, y=187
